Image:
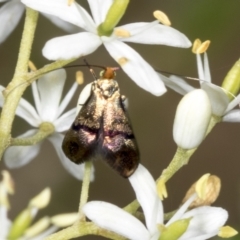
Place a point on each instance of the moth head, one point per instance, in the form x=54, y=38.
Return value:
x=108, y=73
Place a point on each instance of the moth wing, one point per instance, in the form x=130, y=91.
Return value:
x=81, y=139
x=119, y=144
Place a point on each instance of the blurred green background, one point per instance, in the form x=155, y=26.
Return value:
x=152, y=117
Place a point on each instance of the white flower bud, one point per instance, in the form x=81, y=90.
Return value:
x=42, y=199
x=64, y=220
x=191, y=120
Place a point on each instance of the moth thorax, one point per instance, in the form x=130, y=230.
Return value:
x=107, y=87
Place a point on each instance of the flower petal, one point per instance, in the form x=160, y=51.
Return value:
x=74, y=13
x=99, y=9
x=76, y=170
x=27, y=112
x=50, y=88
x=177, y=84
x=68, y=27
x=205, y=220
x=146, y=193
x=155, y=34
x=5, y=223
x=232, y=116
x=83, y=96
x=135, y=66
x=71, y=46
x=64, y=122
x=233, y=103
x=218, y=98
x=10, y=14
x=113, y=218
x=67, y=98
x=18, y=156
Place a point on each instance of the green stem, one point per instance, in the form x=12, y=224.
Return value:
x=45, y=129
x=182, y=156
x=11, y=102
x=82, y=229
x=32, y=76
x=132, y=207
x=85, y=188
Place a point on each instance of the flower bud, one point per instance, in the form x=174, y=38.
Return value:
x=20, y=224
x=231, y=82
x=42, y=199
x=64, y=220
x=192, y=119
x=207, y=188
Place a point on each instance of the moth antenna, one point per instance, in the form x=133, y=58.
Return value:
x=195, y=79
x=90, y=69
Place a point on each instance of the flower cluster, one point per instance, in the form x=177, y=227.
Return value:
x=21, y=226
x=47, y=93
x=199, y=223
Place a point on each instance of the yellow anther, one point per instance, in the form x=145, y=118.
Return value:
x=120, y=32
x=201, y=186
x=122, y=61
x=8, y=182
x=162, y=17
x=227, y=232
x=196, y=44
x=79, y=77
x=42, y=199
x=161, y=189
x=32, y=66
x=204, y=47
x=70, y=2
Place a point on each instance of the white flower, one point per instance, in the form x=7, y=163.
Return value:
x=205, y=221
x=11, y=13
x=221, y=105
x=47, y=93
x=84, y=43
x=192, y=118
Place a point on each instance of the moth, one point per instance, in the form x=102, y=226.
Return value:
x=102, y=129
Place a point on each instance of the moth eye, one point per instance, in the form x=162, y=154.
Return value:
x=101, y=73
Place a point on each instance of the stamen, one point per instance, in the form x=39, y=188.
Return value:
x=120, y=32
x=204, y=47
x=162, y=17
x=32, y=66
x=197, y=43
x=227, y=232
x=122, y=61
x=79, y=77
x=70, y=2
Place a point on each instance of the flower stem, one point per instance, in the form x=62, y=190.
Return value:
x=32, y=76
x=85, y=189
x=180, y=159
x=11, y=102
x=44, y=131
x=82, y=229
